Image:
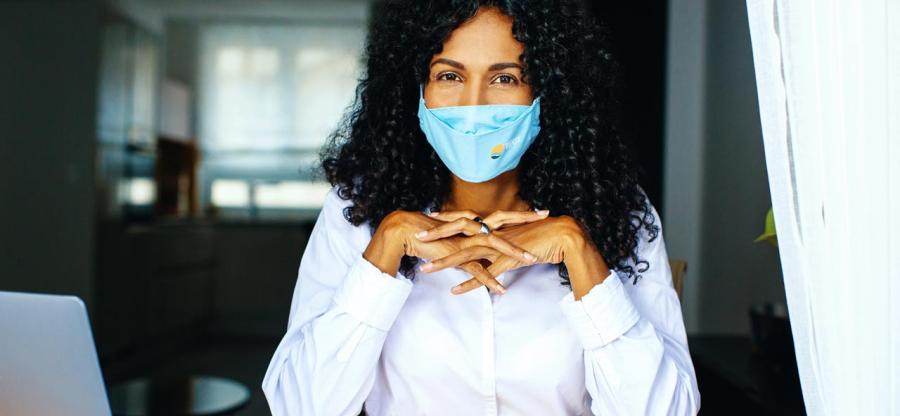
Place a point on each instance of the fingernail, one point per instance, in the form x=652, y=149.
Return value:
x=501, y=289
x=530, y=257
x=543, y=212
x=455, y=289
x=425, y=267
x=421, y=234
x=433, y=214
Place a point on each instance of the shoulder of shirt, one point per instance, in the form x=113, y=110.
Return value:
x=334, y=203
x=337, y=225
x=650, y=246
x=657, y=222
x=647, y=239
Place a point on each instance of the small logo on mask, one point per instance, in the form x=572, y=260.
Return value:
x=497, y=150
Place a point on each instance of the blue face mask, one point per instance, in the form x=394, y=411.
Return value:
x=479, y=142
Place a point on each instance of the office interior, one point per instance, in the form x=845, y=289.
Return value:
x=158, y=159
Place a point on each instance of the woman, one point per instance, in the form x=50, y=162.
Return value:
x=482, y=153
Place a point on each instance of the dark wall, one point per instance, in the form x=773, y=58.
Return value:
x=638, y=31
x=48, y=86
x=736, y=187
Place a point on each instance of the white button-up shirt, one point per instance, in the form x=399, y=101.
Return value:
x=357, y=335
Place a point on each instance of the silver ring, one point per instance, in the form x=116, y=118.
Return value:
x=484, y=228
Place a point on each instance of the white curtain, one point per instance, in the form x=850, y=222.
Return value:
x=828, y=78
x=268, y=87
x=269, y=95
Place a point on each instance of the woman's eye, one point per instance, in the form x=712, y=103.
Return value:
x=505, y=79
x=447, y=76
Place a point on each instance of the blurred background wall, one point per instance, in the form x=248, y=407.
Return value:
x=48, y=96
x=716, y=190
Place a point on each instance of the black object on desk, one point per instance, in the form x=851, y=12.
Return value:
x=189, y=395
x=736, y=380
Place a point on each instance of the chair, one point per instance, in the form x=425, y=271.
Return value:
x=679, y=268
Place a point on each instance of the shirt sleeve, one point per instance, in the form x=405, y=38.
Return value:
x=341, y=311
x=635, y=348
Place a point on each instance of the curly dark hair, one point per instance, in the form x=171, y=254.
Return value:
x=577, y=166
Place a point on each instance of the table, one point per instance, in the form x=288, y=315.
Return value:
x=183, y=395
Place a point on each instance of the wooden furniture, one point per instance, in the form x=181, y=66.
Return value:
x=154, y=291
x=176, y=178
x=679, y=268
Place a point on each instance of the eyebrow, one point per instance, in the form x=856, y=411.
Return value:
x=495, y=67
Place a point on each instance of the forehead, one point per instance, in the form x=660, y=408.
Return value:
x=484, y=39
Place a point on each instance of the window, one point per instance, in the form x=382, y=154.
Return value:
x=269, y=97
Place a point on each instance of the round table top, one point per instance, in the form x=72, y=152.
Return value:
x=186, y=395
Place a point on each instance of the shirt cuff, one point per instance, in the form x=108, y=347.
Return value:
x=601, y=315
x=372, y=296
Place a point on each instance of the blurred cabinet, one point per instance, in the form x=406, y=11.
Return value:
x=177, y=265
x=131, y=277
x=155, y=288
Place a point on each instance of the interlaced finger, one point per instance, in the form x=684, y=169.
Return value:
x=497, y=268
x=510, y=249
x=460, y=225
x=466, y=286
x=496, y=219
x=482, y=276
x=453, y=215
x=499, y=218
x=462, y=256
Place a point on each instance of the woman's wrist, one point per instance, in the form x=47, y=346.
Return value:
x=385, y=249
x=585, y=264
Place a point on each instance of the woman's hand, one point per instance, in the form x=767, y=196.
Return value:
x=481, y=246
x=525, y=235
x=464, y=222
x=551, y=239
x=395, y=237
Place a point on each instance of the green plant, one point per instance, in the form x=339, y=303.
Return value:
x=769, y=231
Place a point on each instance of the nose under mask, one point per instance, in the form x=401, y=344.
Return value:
x=479, y=142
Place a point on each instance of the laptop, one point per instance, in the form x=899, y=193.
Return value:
x=48, y=363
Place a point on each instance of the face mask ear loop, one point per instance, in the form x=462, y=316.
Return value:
x=421, y=92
